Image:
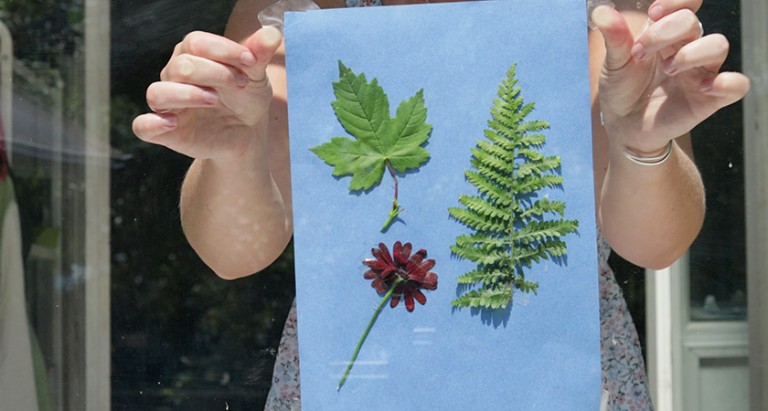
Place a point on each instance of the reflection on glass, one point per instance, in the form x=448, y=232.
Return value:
x=45, y=145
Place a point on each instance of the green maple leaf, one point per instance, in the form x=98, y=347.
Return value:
x=380, y=142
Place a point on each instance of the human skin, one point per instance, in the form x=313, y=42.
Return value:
x=222, y=101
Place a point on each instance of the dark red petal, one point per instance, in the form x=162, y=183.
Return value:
x=421, y=272
x=379, y=285
x=378, y=265
x=399, y=289
x=409, y=305
x=387, y=272
x=370, y=275
x=380, y=259
x=429, y=282
x=396, y=294
x=415, y=262
x=385, y=256
x=402, y=253
x=416, y=278
x=420, y=297
x=427, y=265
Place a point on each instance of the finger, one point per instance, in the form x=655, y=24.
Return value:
x=673, y=31
x=149, y=127
x=727, y=87
x=661, y=8
x=216, y=48
x=708, y=52
x=617, y=35
x=164, y=96
x=191, y=69
x=263, y=44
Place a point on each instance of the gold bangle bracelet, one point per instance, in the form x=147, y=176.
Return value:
x=650, y=161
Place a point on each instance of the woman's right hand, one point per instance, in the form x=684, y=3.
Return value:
x=211, y=96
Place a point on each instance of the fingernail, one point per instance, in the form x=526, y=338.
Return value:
x=247, y=58
x=601, y=16
x=656, y=12
x=271, y=35
x=210, y=97
x=638, y=51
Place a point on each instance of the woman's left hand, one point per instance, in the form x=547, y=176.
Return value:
x=661, y=84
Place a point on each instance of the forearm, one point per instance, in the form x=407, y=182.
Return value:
x=651, y=214
x=234, y=214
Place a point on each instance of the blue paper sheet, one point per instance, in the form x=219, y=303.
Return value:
x=542, y=353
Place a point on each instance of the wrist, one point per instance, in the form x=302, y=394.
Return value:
x=239, y=147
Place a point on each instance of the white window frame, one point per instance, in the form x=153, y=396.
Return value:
x=754, y=14
x=97, y=220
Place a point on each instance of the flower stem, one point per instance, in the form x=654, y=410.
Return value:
x=386, y=297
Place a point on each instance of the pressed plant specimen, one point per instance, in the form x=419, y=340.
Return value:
x=513, y=226
x=380, y=142
x=399, y=276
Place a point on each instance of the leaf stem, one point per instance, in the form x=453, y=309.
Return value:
x=386, y=297
x=395, y=205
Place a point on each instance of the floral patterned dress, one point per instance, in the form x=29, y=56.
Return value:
x=623, y=369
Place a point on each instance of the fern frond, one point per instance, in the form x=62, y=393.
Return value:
x=484, y=242
x=541, y=207
x=501, y=141
x=531, y=183
x=526, y=286
x=496, y=298
x=487, y=277
x=503, y=165
x=484, y=207
x=512, y=227
x=526, y=256
x=538, y=167
x=504, y=180
x=532, y=126
x=529, y=154
x=502, y=196
x=477, y=221
x=480, y=256
x=543, y=230
x=529, y=140
x=496, y=151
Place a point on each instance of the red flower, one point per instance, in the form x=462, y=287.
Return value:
x=400, y=277
x=410, y=272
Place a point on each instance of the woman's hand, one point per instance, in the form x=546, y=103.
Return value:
x=211, y=94
x=661, y=84
x=214, y=102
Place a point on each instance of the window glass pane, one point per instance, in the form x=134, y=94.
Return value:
x=717, y=258
x=182, y=338
x=53, y=235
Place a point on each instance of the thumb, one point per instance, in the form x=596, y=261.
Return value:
x=617, y=35
x=263, y=44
